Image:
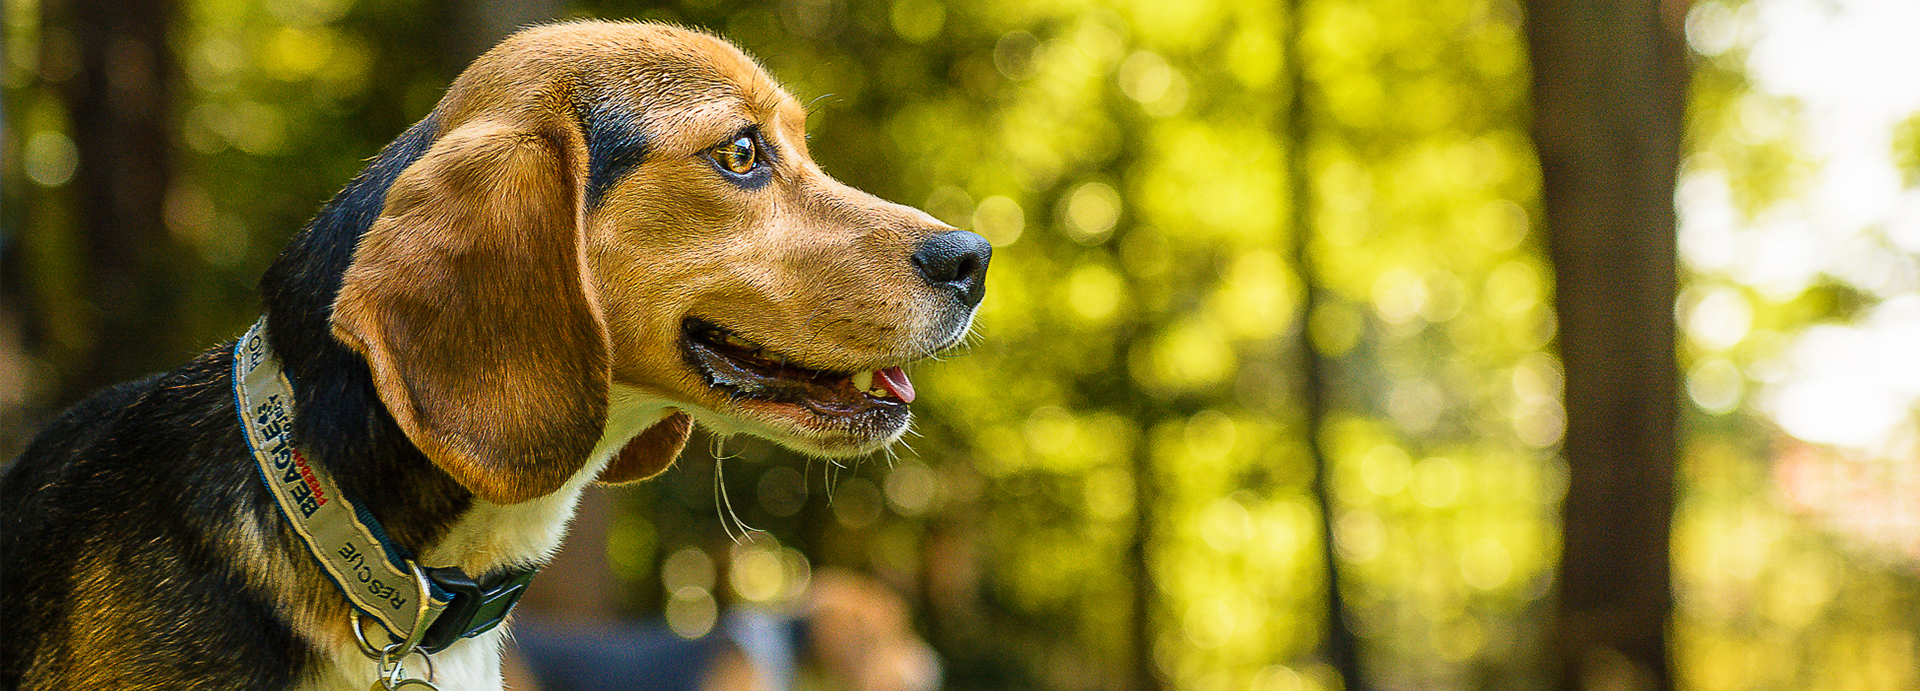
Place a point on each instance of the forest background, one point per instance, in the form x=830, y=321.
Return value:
x=1406, y=344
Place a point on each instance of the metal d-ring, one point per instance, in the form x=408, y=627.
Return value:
x=399, y=650
x=360, y=636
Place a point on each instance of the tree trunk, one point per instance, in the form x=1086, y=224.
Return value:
x=1609, y=91
x=1339, y=645
x=118, y=104
x=1144, y=591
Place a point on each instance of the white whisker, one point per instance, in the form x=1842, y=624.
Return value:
x=827, y=476
x=723, y=501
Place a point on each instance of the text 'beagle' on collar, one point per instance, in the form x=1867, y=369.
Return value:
x=427, y=608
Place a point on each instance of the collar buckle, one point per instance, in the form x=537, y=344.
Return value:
x=475, y=608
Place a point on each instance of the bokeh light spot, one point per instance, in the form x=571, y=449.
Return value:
x=691, y=612
x=1091, y=211
x=918, y=21
x=912, y=489
x=1000, y=220
x=857, y=503
x=687, y=567
x=50, y=158
x=1486, y=564
x=1717, y=318
x=1715, y=385
x=782, y=491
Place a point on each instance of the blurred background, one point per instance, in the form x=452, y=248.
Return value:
x=1397, y=344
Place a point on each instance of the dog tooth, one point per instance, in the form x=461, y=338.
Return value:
x=863, y=381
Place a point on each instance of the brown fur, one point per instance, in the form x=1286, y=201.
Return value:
x=650, y=453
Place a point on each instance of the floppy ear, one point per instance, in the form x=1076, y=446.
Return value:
x=650, y=453
x=470, y=300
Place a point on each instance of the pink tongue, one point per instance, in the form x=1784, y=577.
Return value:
x=894, y=379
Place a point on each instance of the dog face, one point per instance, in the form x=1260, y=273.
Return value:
x=741, y=281
x=634, y=206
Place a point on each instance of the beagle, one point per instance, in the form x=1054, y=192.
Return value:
x=603, y=234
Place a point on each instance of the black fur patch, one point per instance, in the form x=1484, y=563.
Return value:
x=615, y=144
x=146, y=483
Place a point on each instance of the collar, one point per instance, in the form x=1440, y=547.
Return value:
x=424, y=607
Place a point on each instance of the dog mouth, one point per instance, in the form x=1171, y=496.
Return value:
x=874, y=401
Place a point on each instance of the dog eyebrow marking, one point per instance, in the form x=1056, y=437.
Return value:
x=615, y=145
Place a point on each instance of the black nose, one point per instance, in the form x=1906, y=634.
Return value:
x=957, y=260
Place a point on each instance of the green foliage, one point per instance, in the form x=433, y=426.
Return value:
x=1127, y=160
x=1139, y=355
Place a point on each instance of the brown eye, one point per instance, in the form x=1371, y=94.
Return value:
x=738, y=156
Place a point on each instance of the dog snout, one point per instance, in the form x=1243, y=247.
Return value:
x=955, y=260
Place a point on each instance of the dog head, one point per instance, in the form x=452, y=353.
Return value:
x=609, y=207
